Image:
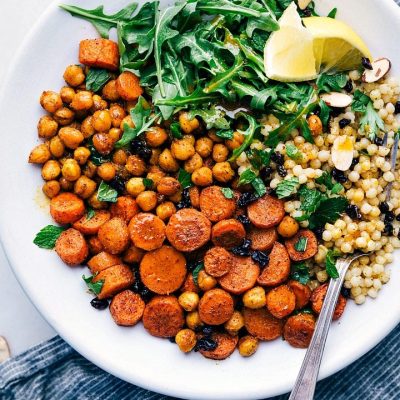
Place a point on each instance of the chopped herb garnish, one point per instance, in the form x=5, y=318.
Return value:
x=227, y=192
x=196, y=271
x=90, y=213
x=176, y=130
x=287, y=187
x=107, y=193
x=96, y=79
x=148, y=183
x=330, y=263
x=300, y=272
x=184, y=178
x=293, y=152
x=47, y=236
x=94, y=287
x=301, y=244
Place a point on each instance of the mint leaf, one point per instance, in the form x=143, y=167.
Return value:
x=301, y=244
x=300, y=273
x=247, y=176
x=360, y=101
x=287, y=187
x=328, y=211
x=107, y=193
x=47, y=236
x=310, y=199
x=96, y=79
x=184, y=178
x=90, y=213
x=148, y=183
x=293, y=152
x=94, y=287
x=196, y=271
x=337, y=188
x=227, y=192
x=330, y=263
x=259, y=186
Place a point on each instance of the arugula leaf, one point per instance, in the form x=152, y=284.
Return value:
x=225, y=134
x=330, y=263
x=170, y=92
x=301, y=244
x=184, y=178
x=371, y=122
x=360, y=101
x=198, y=97
x=90, y=213
x=47, y=236
x=196, y=271
x=287, y=187
x=258, y=40
x=102, y=22
x=293, y=152
x=148, y=183
x=247, y=176
x=328, y=211
x=300, y=272
x=94, y=287
x=227, y=192
x=259, y=98
x=175, y=130
x=213, y=117
x=259, y=186
x=248, y=135
x=332, y=13
x=325, y=113
x=329, y=83
x=107, y=193
x=96, y=79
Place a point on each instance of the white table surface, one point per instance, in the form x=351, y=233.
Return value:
x=20, y=323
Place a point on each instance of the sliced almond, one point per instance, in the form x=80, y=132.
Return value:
x=342, y=153
x=303, y=4
x=4, y=349
x=336, y=99
x=380, y=68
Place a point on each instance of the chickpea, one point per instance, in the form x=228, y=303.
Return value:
x=147, y=200
x=87, y=127
x=182, y=149
x=205, y=281
x=51, y=101
x=67, y=94
x=223, y=172
x=155, y=155
x=110, y=91
x=193, y=320
x=51, y=170
x=212, y=135
x=74, y=75
x=156, y=136
x=288, y=227
x=189, y=301
x=115, y=134
x=71, y=170
x=67, y=186
x=106, y=171
x=236, y=141
x=101, y=121
x=71, y=137
x=117, y=114
x=248, y=345
x=202, y=176
x=127, y=121
x=82, y=101
x=177, y=197
x=235, y=323
x=84, y=187
x=204, y=146
x=40, y=154
x=193, y=163
x=194, y=194
x=95, y=246
x=103, y=143
x=315, y=125
x=51, y=189
x=168, y=186
x=167, y=162
x=186, y=340
x=255, y=298
x=64, y=116
x=135, y=165
x=135, y=186
x=56, y=147
x=81, y=154
x=95, y=203
x=120, y=157
x=165, y=210
x=188, y=125
x=90, y=169
x=47, y=127
x=220, y=152
x=98, y=104
x=155, y=174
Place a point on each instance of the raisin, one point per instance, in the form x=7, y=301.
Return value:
x=243, y=250
x=353, y=211
x=99, y=304
x=244, y=220
x=246, y=198
x=118, y=183
x=397, y=107
x=277, y=158
x=378, y=141
x=344, y=122
x=345, y=292
x=389, y=217
x=260, y=257
x=366, y=63
x=205, y=344
x=281, y=171
x=349, y=86
x=384, y=207
x=339, y=176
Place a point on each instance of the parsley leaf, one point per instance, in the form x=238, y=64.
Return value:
x=184, y=178
x=227, y=192
x=47, y=236
x=196, y=271
x=148, y=183
x=107, y=193
x=301, y=244
x=330, y=263
x=300, y=272
x=329, y=83
x=293, y=152
x=94, y=287
x=310, y=199
x=360, y=101
x=328, y=211
x=96, y=79
x=287, y=187
x=175, y=130
x=326, y=180
x=371, y=122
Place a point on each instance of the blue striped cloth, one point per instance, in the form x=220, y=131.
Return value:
x=53, y=370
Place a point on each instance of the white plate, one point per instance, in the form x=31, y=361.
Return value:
x=58, y=291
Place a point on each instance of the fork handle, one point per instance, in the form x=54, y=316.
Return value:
x=306, y=381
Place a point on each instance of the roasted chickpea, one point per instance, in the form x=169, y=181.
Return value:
x=87, y=127
x=156, y=136
x=288, y=227
x=51, y=170
x=135, y=165
x=56, y=147
x=177, y=197
x=247, y=346
x=71, y=170
x=188, y=125
x=315, y=125
x=47, y=127
x=81, y=154
x=189, y=301
x=135, y=186
x=117, y=114
x=255, y=298
x=235, y=323
x=193, y=163
x=127, y=121
x=133, y=255
x=204, y=146
x=101, y=121
x=67, y=186
x=130, y=104
x=51, y=101
x=90, y=169
x=167, y=162
x=84, y=187
x=95, y=246
x=67, y=94
x=82, y=101
x=110, y=91
x=223, y=172
x=95, y=203
x=120, y=157
x=202, y=176
x=103, y=143
x=155, y=155
x=147, y=200
x=64, y=116
x=168, y=186
x=186, y=340
x=194, y=194
x=106, y=171
x=193, y=320
x=98, y=104
x=51, y=189
x=165, y=210
x=213, y=136
x=71, y=137
x=220, y=152
x=155, y=174
x=190, y=139
x=205, y=281
x=40, y=154
x=115, y=134
x=182, y=149
x=236, y=141
x=74, y=75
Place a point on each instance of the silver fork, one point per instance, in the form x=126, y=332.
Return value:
x=304, y=387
